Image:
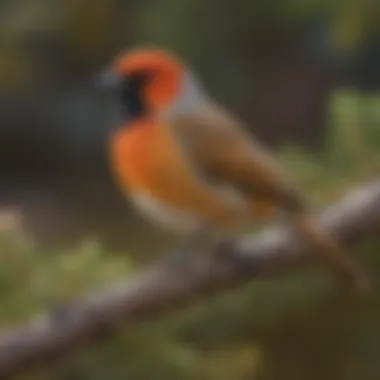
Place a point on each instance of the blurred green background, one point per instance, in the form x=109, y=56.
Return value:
x=304, y=75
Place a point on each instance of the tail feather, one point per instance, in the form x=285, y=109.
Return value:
x=348, y=271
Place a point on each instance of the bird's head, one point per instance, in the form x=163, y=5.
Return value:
x=152, y=82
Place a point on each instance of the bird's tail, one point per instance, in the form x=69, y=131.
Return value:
x=348, y=271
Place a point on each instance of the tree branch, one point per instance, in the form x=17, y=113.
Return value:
x=160, y=289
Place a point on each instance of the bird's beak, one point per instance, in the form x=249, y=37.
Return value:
x=107, y=85
x=108, y=81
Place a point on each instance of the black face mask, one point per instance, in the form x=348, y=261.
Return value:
x=131, y=95
x=122, y=97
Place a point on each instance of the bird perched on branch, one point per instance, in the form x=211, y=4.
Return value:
x=189, y=165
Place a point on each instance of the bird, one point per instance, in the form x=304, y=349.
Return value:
x=191, y=167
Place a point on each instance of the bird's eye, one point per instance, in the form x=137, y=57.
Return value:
x=135, y=83
x=142, y=77
x=132, y=93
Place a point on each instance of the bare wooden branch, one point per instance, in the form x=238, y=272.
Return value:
x=160, y=289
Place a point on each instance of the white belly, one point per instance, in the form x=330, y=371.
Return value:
x=178, y=221
x=165, y=216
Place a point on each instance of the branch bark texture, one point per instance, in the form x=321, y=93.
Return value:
x=160, y=289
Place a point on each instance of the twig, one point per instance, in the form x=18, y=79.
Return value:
x=160, y=289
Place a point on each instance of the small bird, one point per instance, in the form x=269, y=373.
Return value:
x=190, y=166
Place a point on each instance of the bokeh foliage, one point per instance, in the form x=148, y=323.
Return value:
x=297, y=327
x=210, y=34
x=294, y=327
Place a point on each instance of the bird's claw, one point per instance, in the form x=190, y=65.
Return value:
x=178, y=260
x=227, y=252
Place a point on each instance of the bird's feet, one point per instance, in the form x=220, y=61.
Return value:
x=185, y=257
x=228, y=253
x=179, y=259
x=225, y=253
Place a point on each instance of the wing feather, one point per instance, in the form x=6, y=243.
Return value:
x=225, y=152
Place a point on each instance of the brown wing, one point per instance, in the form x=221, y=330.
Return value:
x=223, y=151
x=220, y=148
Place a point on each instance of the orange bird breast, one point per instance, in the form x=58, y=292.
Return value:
x=149, y=161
